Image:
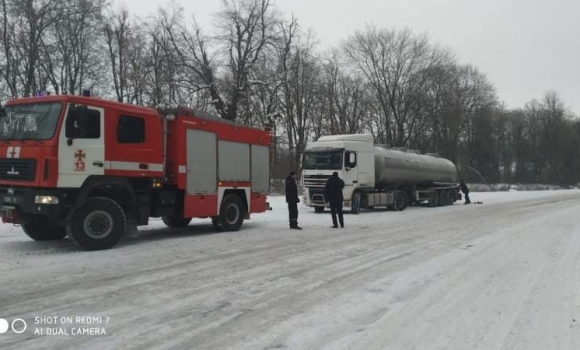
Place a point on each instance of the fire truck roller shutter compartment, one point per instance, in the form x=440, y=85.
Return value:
x=201, y=162
x=234, y=161
x=260, y=169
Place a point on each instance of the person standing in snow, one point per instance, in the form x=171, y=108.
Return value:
x=465, y=191
x=292, y=200
x=333, y=192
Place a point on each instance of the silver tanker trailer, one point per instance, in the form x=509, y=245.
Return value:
x=376, y=176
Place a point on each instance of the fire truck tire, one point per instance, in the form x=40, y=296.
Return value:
x=41, y=230
x=175, y=222
x=231, y=215
x=97, y=225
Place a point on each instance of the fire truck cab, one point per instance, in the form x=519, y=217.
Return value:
x=91, y=169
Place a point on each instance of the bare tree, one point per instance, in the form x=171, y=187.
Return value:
x=117, y=31
x=348, y=99
x=398, y=65
x=269, y=75
x=300, y=97
x=247, y=28
x=71, y=52
x=9, y=70
x=30, y=22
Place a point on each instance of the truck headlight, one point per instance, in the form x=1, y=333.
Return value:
x=46, y=200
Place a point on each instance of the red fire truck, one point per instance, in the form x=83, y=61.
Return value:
x=92, y=169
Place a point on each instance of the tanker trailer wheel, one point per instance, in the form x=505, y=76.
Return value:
x=448, y=197
x=355, y=203
x=400, y=201
x=40, y=229
x=443, y=198
x=231, y=214
x=436, y=200
x=319, y=209
x=97, y=225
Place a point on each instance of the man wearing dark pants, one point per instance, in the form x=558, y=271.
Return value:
x=465, y=191
x=333, y=192
x=292, y=200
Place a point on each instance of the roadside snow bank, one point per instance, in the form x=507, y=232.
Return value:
x=502, y=187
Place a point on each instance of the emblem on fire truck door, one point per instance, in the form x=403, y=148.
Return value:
x=79, y=160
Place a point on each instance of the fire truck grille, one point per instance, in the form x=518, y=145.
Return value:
x=17, y=169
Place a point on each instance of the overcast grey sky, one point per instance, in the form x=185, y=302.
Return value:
x=525, y=47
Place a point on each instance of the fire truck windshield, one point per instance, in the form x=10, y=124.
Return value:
x=322, y=160
x=30, y=121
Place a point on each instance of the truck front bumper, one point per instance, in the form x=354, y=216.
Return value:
x=314, y=197
x=19, y=205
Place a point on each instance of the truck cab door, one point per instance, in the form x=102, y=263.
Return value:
x=81, y=149
x=358, y=174
x=351, y=164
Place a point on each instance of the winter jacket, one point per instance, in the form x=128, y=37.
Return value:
x=464, y=188
x=333, y=190
x=291, y=190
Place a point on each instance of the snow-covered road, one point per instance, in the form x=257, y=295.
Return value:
x=501, y=275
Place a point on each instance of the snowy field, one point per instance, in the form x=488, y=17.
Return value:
x=501, y=275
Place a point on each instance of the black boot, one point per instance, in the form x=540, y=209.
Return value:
x=294, y=225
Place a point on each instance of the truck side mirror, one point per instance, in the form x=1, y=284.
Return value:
x=351, y=160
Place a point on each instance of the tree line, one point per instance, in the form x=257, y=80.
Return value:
x=258, y=66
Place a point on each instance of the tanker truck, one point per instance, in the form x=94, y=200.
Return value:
x=376, y=175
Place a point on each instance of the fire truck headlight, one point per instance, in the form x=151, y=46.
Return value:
x=46, y=200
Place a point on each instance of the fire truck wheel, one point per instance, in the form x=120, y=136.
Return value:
x=98, y=224
x=41, y=230
x=319, y=209
x=176, y=222
x=231, y=214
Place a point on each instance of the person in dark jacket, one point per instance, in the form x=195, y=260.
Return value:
x=333, y=192
x=465, y=191
x=292, y=200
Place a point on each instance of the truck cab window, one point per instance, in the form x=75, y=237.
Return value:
x=83, y=124
x=35, y=121
x=130, y=129
x=331, y=160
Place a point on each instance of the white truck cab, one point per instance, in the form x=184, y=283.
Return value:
x=352, y=156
